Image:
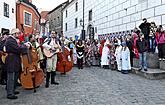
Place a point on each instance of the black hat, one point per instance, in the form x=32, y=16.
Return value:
x=144, y=19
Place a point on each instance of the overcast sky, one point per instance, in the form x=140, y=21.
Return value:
x=44, y=5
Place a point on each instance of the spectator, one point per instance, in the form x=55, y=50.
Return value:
x=160, y=39
x=145, y=28
x=142, y=49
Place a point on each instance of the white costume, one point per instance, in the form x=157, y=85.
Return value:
x=105, y=55
x=118, y=56
x=125, y=56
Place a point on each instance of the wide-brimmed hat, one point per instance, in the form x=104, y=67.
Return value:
x=14, y=31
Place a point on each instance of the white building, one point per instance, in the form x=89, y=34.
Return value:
x=109, y=16
x=7, y=15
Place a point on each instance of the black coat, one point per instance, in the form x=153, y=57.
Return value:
x=145, y=28
x=13, y=60
x=142, y=46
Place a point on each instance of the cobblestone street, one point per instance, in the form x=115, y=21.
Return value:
x=94, y=86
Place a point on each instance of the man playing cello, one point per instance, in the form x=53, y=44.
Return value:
x=52, y=45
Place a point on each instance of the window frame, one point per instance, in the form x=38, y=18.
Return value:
x=76, y=22
x=90, y=15
x=76, y=6
x=66, y=27
x=6, y=11
x=28, y=25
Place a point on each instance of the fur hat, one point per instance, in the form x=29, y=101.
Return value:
x=14, y=31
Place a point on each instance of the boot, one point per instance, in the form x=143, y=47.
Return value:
x=47, y=79
x=53, y=73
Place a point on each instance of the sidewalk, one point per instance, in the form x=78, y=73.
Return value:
x=153, y=74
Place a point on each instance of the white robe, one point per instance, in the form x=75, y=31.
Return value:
x=118, y=57
x=125, y=56
x=105, y=56
x=74, y=56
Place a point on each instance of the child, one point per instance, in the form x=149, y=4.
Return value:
x=125, y=59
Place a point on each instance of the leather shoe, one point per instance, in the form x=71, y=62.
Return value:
x=16, y=92
x=55, y=83
x=145, y=70
x=12, y=97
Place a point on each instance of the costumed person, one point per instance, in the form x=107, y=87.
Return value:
x=101, y=49
x=160, y=39
x=51, y=44
x=105, y=58
x=71, y=47
x=118, y=55
x=142, y=47
x=125, y=59
x=3, y=74
x=129, y=42
x=74, y=55
x=13, y=62
x=95, y=53
x=80, y=53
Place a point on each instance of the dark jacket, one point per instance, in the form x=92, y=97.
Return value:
x=13, y=60
x=142, y=46
x=145, y=28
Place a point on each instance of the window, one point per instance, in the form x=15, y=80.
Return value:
x=6, y=10
x=76, y=6
x=27, y=18
x=66, y=26
x=76, y=23
x=90, y=15
x=12, y=10
x=66, y=13
x=58, y=20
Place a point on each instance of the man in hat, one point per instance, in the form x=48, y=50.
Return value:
x=13, y=62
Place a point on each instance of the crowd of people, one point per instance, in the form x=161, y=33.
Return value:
x=115, y=53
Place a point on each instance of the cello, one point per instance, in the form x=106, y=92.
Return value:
x=64, y=63
x=31, y=76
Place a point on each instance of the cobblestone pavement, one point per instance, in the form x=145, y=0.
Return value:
x=94, y=86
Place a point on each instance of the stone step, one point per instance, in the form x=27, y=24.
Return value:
x=153, y=74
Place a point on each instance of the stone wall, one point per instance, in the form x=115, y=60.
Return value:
x=152, y=61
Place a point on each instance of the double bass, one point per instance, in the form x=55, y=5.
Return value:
x=31, y=76
x=64, y=63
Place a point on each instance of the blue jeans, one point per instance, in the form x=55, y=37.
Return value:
x=143, y=60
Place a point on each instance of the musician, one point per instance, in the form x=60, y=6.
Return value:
x=36, y=45
x=3, y=71
x=13, y=62
x=51, y=62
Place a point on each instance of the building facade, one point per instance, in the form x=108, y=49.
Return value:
x=7, y=15
x=28, y=17
x=111, y=16
x=44, y=23
x=56, y=18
